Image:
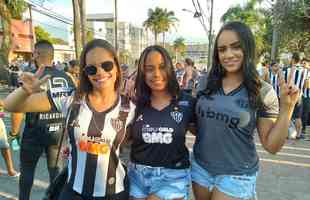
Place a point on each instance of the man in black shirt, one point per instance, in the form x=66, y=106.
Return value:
x=42, y=130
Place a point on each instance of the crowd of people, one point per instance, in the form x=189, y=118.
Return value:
x=102, y=107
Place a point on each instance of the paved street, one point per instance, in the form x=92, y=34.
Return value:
x=285, y=176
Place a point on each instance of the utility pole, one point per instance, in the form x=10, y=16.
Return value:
x=115, y=27
x=210, y=37
x=82, y=4
x=31, y=27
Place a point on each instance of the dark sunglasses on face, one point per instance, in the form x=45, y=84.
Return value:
x=91, y=70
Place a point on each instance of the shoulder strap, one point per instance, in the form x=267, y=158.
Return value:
x=71, y=114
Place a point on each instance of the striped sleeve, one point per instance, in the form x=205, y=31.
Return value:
x=270, y=101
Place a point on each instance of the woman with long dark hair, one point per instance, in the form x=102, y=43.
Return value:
x=233, y=104
x=94, y=122
x=159, y=160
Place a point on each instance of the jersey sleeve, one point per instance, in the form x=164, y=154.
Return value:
x=131, y=114
x=270, y=101
x=60, y=99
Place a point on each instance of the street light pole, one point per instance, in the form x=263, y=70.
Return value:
x=210, y=37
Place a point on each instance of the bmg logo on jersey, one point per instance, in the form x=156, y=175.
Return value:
x=161, y=135
x=94, y=145
x=232, y=122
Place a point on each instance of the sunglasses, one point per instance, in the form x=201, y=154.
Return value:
x=91, y=70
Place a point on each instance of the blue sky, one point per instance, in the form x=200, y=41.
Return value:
x=135, y=11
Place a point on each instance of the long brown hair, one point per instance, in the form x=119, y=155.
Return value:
x=251, y=78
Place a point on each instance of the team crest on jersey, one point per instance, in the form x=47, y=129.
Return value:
x=177, y=116
x=117, y=124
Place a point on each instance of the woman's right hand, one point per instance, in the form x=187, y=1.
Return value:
x=32, y=83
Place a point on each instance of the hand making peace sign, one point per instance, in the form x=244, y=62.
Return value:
x=32, y=83
x=289, y=92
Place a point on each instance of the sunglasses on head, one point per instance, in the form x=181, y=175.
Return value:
x=92, y=69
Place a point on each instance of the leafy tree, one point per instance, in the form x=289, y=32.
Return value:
x=179, y=47
x=9, y=10
x=42, y=34
x=295, y=28
x=259, y=20
x=160, y=21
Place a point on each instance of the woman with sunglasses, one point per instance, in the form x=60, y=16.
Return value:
x=159, y=160
x=95, y=171
x=233, y=104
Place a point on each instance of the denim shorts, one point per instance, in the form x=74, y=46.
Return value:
x=163, y=182
x=237, y=186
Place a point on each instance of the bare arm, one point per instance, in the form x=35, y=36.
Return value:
x=16, y=121
x=29, y=97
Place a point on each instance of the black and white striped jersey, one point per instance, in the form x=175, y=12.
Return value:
x=306, y=91
x=274, y=82
x=94, y=146
x=299, y=78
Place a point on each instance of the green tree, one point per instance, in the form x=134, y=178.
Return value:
x=160, y=21
x=295, y=28
x=42, y=34
x=9, y=10
x=259, y=20
x=179, y=47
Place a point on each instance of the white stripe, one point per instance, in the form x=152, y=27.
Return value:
x=8, y=196
x=288, y=147
x=287, y=154
x=285, y=162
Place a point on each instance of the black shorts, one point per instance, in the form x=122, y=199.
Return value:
x=297, y=113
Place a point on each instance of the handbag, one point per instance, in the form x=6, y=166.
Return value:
x=54, y=189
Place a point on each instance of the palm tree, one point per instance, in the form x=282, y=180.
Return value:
x=179, y=47
x=8, y=10
x=160, y=21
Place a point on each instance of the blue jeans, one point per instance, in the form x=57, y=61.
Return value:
x=163, y=182
x=237, y=186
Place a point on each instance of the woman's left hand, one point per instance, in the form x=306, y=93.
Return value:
x=289, y=92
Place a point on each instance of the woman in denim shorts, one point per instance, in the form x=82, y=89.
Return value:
x=159, y=160
x=233, y=104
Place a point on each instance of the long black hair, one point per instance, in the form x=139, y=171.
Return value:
x=143, y=92
x=251, y=78
x=85, y=86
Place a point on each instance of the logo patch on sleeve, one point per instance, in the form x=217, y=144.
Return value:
x=177, y=116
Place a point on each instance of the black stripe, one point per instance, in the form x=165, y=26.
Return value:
x=97, y=122
x=73, y=158
x=297, y=74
